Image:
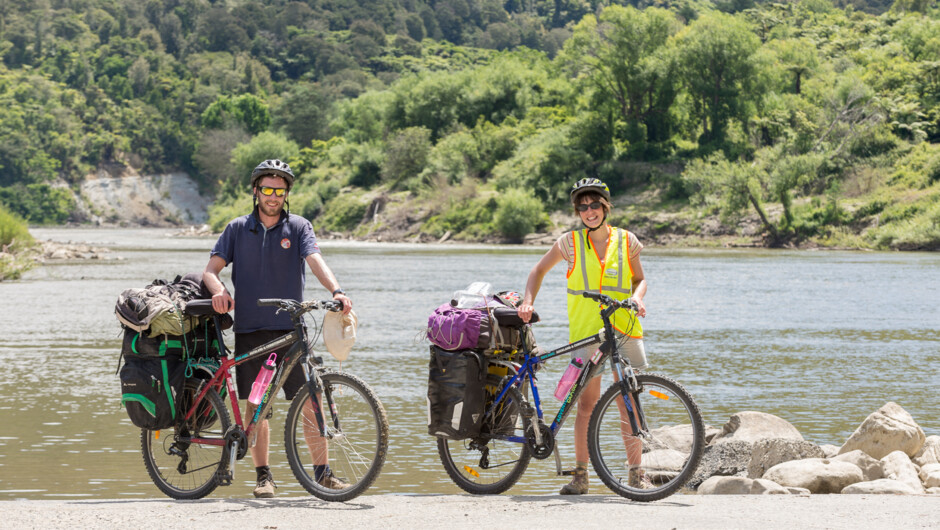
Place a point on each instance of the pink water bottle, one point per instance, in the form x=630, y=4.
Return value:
x=568, y=378
x=261, y=383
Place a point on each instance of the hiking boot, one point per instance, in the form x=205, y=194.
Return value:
x=638, y=479
x=265, y=488
x=578, y=484
x=331, y=481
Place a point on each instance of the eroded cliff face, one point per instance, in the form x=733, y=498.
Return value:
x=172, y=199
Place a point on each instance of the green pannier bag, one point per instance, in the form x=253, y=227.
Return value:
x=152, y=378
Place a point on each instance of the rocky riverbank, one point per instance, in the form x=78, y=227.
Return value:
x=758, y=453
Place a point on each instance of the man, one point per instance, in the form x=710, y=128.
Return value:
x=267, y=249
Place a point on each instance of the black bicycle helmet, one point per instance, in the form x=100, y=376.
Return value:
x=589, y=184
x=273, y=167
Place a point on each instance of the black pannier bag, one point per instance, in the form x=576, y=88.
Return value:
x=456, y=393
x=152, y=378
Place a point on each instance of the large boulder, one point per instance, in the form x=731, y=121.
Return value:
x=767, y=487
x=898, y=466
x=767, y=453
x=663, y=464
x=751, y=426
x=718, y=485
x=870, y=467
x=930, y=475
x=818, y=475
x=726, y=459
x=676, y=437
x=885, y=486
x=888, y=429
x=929, y=453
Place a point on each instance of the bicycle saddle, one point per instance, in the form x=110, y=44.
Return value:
x=509, y=316
x=201, y=308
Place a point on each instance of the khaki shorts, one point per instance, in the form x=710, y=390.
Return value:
x=628, y=347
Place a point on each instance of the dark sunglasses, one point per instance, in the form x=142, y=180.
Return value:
x=594, y=206
x=267, y=190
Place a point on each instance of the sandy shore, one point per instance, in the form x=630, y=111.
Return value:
x=463, y=511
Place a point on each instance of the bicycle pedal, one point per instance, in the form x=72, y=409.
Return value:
x=566, y=473
x=224, y=478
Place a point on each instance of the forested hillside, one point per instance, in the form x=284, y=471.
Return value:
x=470, y=118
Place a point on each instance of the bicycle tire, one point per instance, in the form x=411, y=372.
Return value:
x=470, y=475
x=671, y=448
x=356, y=451
x=184, y=470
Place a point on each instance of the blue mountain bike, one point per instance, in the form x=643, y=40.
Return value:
x=645, y=438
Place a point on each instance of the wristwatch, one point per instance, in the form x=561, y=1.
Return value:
x=338, y=291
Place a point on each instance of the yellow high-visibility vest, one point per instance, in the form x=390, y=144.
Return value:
x=614, y=278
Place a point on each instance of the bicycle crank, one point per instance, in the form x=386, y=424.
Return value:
x=543, y=450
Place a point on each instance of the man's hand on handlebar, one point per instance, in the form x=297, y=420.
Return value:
x=223, y=302
x=345, y=300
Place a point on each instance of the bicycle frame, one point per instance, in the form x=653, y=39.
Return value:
x=607, y=349
x=223, y=375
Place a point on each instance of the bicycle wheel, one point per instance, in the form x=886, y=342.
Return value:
x=657, y=463
x=356, y=442
x=488, y=465
x=179, y=468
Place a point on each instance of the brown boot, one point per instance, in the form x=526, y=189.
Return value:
x=637, y=478
x=578, y=484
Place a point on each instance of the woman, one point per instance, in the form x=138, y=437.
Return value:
x=604, y=259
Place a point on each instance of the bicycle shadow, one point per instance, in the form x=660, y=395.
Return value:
x=239, y=505
x=562, y=500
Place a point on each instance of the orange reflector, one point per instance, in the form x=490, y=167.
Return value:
x=472, y=471
x=660, y=395
x=156, y=435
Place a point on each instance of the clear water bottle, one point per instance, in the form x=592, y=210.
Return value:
x=260, y=386
x=569, y=377
x=473, y=296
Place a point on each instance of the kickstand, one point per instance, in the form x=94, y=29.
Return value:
x=558, y=464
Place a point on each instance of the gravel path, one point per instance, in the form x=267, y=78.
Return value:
x=462, y=511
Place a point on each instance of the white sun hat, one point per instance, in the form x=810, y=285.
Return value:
x=339, y=333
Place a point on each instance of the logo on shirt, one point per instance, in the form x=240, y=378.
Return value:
x=285, y=243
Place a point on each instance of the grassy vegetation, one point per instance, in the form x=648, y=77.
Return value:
x=15, y=242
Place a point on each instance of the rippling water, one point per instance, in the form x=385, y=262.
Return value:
x=821, y=339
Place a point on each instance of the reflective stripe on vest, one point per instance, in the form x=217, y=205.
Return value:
x=614, y=278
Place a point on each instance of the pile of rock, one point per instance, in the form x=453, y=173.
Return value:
x=758, y=453
x=57, y=251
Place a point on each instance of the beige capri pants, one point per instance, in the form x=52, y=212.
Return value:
x=628, y=347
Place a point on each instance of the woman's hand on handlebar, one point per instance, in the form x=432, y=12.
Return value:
x=525, y=311
x=640, y=307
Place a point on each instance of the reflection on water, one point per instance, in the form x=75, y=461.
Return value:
x=821, y=339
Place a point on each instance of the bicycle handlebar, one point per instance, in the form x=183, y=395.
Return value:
x=297, y=308
x=629, y=303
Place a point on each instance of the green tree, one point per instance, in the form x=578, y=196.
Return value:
x=247, y=109
x=626, y=57
x=518, y=214
x=716, y=53
x=303, y=113
x=406, y=156
x=245, y=157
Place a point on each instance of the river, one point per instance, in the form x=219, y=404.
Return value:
x=821, y=339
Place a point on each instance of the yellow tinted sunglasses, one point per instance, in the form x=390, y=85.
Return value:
x=267, y=190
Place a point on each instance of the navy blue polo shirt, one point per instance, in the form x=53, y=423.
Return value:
x=266, y=263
